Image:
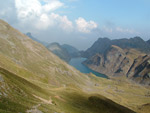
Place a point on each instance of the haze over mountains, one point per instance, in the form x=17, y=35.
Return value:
x=116, y=58
x=65, y=51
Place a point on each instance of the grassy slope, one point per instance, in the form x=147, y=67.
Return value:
x=28, y=69
x=125, y=94
x=20, y=98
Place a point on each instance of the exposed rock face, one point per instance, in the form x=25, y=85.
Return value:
x=113, y=62
x=116, y=61
x=140, y=70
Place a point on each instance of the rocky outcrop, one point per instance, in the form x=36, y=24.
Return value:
x=115, y=61
x=140, y=70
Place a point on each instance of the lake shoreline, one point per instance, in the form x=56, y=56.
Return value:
x=78, y=64
x=97, y=72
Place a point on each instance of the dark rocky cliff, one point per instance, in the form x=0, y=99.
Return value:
x=102, y=44
x=115, y=61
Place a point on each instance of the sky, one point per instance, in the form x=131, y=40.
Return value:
x=78, y=22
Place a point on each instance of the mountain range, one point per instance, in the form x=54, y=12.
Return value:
x=34, y=80
x=64, y=52
x=102, y=44
x=121, y=57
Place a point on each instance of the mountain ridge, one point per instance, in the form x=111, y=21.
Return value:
x=58, y=50
x=35, y=39
x=102, y=44
x=64, y=52
x=124, y=58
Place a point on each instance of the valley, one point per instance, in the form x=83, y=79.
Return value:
x=33, y=79
x=74, y=56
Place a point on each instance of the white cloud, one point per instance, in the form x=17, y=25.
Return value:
x=40, y=15
x=52, y=5
x=28, y=8
x=43, y=22
x=85, y=26
x=62, y=21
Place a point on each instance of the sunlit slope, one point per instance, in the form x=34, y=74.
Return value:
x=36, y=58
x=19, y=94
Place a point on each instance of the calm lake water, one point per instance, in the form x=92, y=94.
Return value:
x=77, y=63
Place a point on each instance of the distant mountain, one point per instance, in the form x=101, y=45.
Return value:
x=148, y=41
x=65, y=52
x=121, y=57
x=58, y=50
x=42, y=42
x=102, y=44
x=73, y=52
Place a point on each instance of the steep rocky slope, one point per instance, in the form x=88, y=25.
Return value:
x=32, y=79
x=116, y=61
x=140, y=70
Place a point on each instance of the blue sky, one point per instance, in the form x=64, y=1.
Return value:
x=78, y=21
x=118, y=10
x=127, y=13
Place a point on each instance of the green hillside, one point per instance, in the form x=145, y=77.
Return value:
x=34, y=80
